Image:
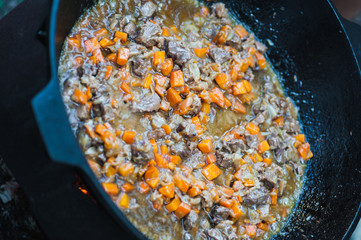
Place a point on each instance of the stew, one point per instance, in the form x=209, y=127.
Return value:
x=182, y=119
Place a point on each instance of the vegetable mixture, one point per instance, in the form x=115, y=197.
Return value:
x=182, y=119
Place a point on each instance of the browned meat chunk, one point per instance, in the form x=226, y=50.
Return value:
x=226, y=228
x=219, y=55
x=178, y=51
x=142, y=151
x=187, y=128
x=148, y=9
x=181, y=150
x=148, y=34
x=257, y=197
x=190, y=220
x=131, y=29
x=148, y=103
x=214, y=234
x=140, y=67
x=260, y=47
x=218, y=214
x=220, y=10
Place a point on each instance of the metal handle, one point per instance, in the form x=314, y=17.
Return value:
x=54, y=126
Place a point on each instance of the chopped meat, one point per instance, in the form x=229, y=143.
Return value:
x=224, y=159
x=196, y=106
x=140, y=67
x=218, y=214
x=190, y=220
x=148, y=9
x=148, y=34
x=148, y=103
x=260, y=47
x=156, y=133
x=82, y=112
x=214, y=234
x=219, y=55
x=256, y=197
x=207, y=199
x=226, y=228
x=131, y=29
x=142, y=151
x=252, y=141
x=181, y=150
x=178, y=51
x=291, y=125
x=220, y=10
x=187, y=128
x=274, y=141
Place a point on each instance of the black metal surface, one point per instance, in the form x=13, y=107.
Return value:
x=309, y=43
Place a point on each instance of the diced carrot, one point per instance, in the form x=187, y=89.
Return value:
x=129, y=137
x=273, y=194
x=158, y=58
x=79, y=97
x=74, y=41
x=263, y=146
x=196, y=121
x=223, y=81
x=205, y=96
x=127, y=187
x=201, y=52
x=211, y=158
x=248, y=183
x=263, y=226
x=227, y=103
x=176, y=79
x=252, y=128
x=221, y=36
x=79, y=61
x=280, y=121
x=261, y=60
x=205, y=146
x=160, y=90
x=267, y=161
x=164, y=105
x=226, y=202
x=165, y=32
x=160, y=160
x=239, y=107
x=148, y=81
x=234, y=72
x=251, y=230
x=125, y=87
x=167, y=190
x=110, y=188
x=112, y=57
x=167, y=66
x=241, y=87
x=122, y=36
x=241, y=31
x=173, y=205
x=160, y=80
x=126, y=169
x=180, y=182
x=152, y=176
x=174, y=159
x=303, y=150
x=182, y=210
x=236, y=211
x=110, y=171
x=143, y=187
x=194, y=191
x=167, y=128
x=91, y=44
x=108, y=72
x=122, y=56
x=206, y=108
x=105, y=42
x=173, y=97
x=124, y=200
x=184, y=106
x=97, y=56
x=100, y=32
x=204, y=11
x=211, y=171
x=204, y=120
x=301, y=138
x=251, y=51
x=217, y=97
x=100, y=129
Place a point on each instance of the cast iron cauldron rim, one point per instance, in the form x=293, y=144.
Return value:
x=86, y=169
